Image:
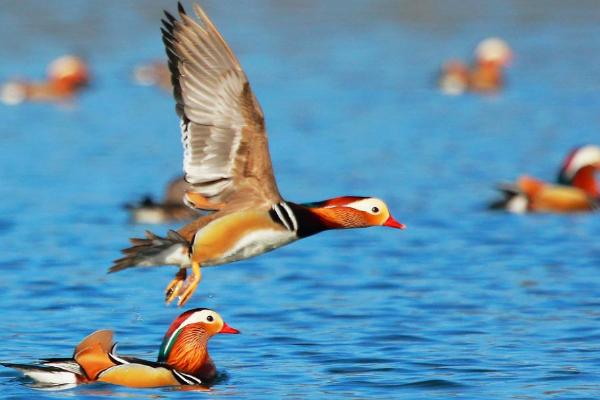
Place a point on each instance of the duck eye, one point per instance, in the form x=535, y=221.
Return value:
x=375, y=209
x=210, y=318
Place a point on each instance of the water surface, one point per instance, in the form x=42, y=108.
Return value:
x=463, y=304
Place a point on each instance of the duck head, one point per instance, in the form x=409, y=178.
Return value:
x=184, y=346
x=68, y=73
x=579, y=169
x=353, y=212
x=493, y=51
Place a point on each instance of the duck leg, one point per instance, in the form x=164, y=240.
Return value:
x=190, y=284
x=175, y=285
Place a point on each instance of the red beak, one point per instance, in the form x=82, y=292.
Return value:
x=392, y=223
x=227, y=329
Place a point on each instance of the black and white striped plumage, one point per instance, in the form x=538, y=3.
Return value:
x=282, y=214
x=55, y=373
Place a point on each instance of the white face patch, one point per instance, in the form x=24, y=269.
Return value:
x=587, y=155
x=207, y=316
x=371, y=205
x=493, y=49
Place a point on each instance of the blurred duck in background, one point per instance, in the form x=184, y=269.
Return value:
x=492, y=55
x=183, y=358
x=576, y=189
x=66, y=76
x=155, y=73
x=171, y=209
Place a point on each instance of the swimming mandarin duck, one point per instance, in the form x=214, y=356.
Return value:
x=486, y=75
x=183, y=358
x=227, y=162
x=171, y=208
x=155, y=73
x=66, y=76
x=575, y=191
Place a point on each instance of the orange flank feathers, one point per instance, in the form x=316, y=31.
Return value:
x=554, y=198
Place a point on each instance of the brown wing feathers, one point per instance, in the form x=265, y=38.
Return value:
x=225, y=144
x=173, y=61
x=226, y=153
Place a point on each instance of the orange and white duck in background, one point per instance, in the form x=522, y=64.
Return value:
x=576, y=190
x=183, y=358
x=67, y=75
x=170, y=209
x=492, y=55
x=155, y=73
x=227, y=163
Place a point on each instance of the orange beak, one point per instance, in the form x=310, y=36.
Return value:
x=227, y=329
x=392, y=223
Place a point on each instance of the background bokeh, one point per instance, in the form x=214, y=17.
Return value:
x=465, y=303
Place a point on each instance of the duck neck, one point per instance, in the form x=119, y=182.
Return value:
x=189, y=354
x=585, y=180
x=314, y=218
x=486, y=75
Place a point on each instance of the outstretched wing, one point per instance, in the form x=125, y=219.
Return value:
x=226, y=154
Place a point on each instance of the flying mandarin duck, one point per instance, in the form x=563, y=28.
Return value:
x=576, y=189
x=227, y=162
x=183, y=358
x=486, y=75
x=66, y=76
x=170, y=209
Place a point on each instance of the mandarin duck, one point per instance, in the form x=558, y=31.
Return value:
x=66, y=76
x=171, y=208
x=576, y=189
x=226, y=160
x=155, y=73
x=486, y=75
x=183, y=358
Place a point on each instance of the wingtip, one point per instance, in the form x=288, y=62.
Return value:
x=200, y=12
x=167, y=27
x=180, y=8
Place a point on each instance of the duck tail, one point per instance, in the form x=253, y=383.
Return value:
x=153, y=251
x=514, y=199
x=55, y=372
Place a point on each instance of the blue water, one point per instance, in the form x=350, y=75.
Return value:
x=463, y=304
